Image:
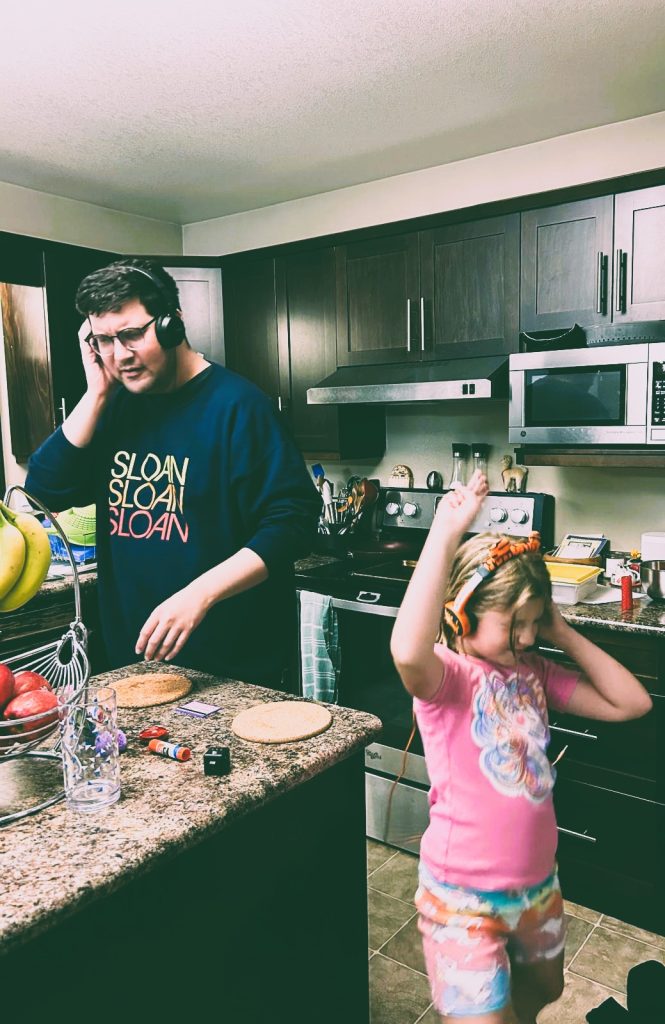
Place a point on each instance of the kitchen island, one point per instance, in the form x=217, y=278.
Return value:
x=245, y=893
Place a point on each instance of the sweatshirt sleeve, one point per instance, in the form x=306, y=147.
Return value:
x=274, y=492
x=60, y=474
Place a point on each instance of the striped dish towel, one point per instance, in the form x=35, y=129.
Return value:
x=320, y=656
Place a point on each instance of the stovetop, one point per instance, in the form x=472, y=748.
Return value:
x=403, y=517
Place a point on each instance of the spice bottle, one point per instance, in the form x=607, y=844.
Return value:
x=480, y=453
x=458, y=475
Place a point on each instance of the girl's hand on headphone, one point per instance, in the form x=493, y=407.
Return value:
x=98, y=377
x=457, y=509
x=553, y=627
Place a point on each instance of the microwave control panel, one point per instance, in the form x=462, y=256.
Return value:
x=658, y=394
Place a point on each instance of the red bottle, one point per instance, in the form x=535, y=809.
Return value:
x=626, y=593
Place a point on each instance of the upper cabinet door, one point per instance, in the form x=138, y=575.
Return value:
x=306, y=288
x=250, y=322
x=470, y=288
x=378, y=301
x=639, y=255
x=200, y=291
x=567, y=265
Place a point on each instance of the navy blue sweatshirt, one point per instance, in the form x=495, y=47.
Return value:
x=181, y=482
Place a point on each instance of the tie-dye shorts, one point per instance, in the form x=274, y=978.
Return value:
x=470, y=937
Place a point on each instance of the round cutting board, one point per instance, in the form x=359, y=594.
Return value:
x=281, y=721
x=150, y=689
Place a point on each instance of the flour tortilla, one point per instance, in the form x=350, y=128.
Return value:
x=281, y=721
x=150, y=689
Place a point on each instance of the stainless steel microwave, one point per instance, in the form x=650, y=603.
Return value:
x=603, y=395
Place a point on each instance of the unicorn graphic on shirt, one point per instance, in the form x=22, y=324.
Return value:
x=509, y=724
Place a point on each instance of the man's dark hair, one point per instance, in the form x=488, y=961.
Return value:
x=108, y=289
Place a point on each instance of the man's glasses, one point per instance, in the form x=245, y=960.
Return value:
x=130, y=339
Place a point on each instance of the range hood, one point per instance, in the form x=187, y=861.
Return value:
x=480, y=377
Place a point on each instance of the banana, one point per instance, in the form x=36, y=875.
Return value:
x=12, y=554
x=37, y=559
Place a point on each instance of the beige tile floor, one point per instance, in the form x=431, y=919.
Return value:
x=600, y=950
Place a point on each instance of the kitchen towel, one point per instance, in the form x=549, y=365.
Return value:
x=320, y=656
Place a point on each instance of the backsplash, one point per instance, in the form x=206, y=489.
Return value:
x=621, y=503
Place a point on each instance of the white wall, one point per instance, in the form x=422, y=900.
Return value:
x=610, y=151
x=25, y=211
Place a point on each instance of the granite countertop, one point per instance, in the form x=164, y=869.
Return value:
x=647, y=616
x=58, y=860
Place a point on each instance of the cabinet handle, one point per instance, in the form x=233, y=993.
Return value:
x=624, y=281
x=621, y=280
x=573, y=732
x=63, y=409
x=408, y=325
x=549, y=650
x=577, y=835
x=601, y=284
x=422, y=324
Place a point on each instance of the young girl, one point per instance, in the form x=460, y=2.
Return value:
x=490, y=907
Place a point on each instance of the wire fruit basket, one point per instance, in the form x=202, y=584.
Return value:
x=63, y=663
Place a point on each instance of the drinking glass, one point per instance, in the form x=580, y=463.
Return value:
x=90, y=757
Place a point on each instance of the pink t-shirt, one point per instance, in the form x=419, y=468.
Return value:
x=485, y=735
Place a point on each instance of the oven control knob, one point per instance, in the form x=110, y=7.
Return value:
x=518, y=515
x=410, y=509
x=393, y=508
x=498, y=514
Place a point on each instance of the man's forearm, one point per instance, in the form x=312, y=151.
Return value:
x=240, y=572
x=80, y=425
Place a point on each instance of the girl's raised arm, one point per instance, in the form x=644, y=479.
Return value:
x=418, y=620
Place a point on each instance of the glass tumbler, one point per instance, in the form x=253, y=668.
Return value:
x=90, y=756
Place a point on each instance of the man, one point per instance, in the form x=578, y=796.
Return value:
x=203, y=502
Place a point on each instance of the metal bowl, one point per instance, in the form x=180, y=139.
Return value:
x=652, y=575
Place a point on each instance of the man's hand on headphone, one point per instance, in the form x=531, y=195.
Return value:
x=99, y=378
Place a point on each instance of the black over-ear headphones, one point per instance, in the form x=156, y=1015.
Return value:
x=169, y=328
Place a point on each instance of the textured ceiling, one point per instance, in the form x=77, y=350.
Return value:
x=190, y=110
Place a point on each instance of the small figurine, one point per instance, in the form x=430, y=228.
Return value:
x=514, y=477
x=401, y=476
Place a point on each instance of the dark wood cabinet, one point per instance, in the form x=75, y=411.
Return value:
x=250, y=324
x=308, y=333
x=470, y=288
x=639, y=255
x=597, y=261
x=610, y=795
x=448, y=292
x=378, y=301
x=281, y=332
x=566, y=275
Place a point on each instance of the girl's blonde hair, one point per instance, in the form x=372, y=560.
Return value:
x=507, y=589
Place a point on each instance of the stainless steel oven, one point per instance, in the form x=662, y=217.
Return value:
x=366, y=589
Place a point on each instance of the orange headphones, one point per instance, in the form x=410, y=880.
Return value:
x=463, y=622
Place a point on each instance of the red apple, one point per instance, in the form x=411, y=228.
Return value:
x=6, y=685
x=26, y=681
x=34, y=702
